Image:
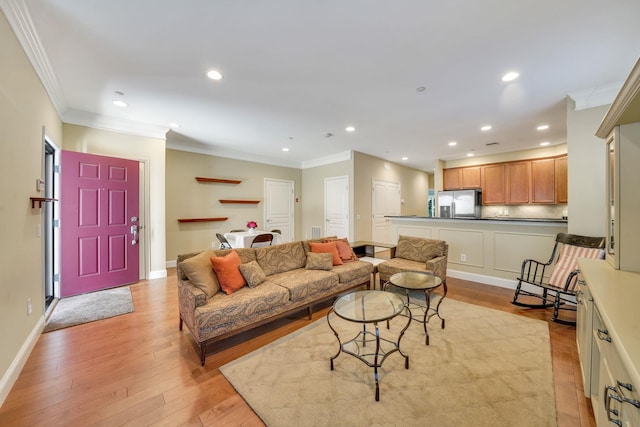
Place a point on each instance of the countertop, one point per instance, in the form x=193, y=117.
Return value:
x=488, y=219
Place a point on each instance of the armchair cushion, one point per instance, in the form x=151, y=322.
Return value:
x=567, y=262
x=419, y=249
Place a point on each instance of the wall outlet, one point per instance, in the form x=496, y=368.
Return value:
x=29, y=307
x=506, y=212
x=463, y=257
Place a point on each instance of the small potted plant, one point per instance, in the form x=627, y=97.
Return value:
x=252, y=225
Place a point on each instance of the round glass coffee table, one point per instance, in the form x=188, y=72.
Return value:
x=419, y=281
x=369, y=307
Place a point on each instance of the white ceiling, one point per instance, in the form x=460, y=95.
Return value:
x=295, y=70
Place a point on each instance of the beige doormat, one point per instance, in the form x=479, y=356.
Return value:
x=487, y=368
x=90, y=307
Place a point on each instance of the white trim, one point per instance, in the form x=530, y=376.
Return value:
x=484, y=279
x=19, y=18
x=157, y=274
x=116, y=124
x=629, y=92
x=171, y=263
x=328, y=160
x=11, y=375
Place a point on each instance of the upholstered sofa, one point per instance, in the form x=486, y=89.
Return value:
x=416, y=254
x=290, y=278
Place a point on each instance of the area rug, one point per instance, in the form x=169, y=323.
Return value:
x=90, y=307
x=487, y=368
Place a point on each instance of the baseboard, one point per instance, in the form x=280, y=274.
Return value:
x=481, y=278
x=157, y=274
x=11, y=375
x=172, y=263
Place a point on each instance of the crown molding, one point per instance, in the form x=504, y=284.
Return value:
x=115, y=124
x=328, y=160
x=595, y=97
x=628, y=98
x=19, y=18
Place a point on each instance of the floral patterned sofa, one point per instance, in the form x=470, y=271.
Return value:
x=290, y=280
x=416, y=254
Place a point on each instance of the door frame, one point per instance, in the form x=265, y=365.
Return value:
x=52, y=232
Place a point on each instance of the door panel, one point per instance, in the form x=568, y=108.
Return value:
x=278, y=207
x=385, y=201
x=336, y=205
x=99, y=208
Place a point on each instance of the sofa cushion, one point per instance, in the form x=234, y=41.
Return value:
x=252, y=273
x=351, y=271
x=246, y=254
x=303, y=284
x=319, y=261
x=328, y=247
x=229, y=276
x=344, y=249
x=225, y=313
x=419, y=249
x=396, y=265
x=280, y=258
x=200, y=273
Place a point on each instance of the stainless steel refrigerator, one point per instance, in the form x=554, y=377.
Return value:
x=460, y=204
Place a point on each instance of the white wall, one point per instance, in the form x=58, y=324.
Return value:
x=586, y=162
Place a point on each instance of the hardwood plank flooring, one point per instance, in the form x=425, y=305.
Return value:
x=138, y=369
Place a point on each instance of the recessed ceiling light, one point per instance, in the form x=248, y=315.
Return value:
x=543, y=127
x=350, y=129
x=285, y=149
x=510, y=76
x=119, y=103
x=174, y=125
x=485, y=128
x=214, y=75
x=452, y=144
x=405, y=158
x=545, y=143
x=470, y=154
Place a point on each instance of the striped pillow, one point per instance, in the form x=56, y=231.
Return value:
x=567, y=262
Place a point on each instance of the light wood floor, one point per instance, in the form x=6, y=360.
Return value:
x=139, y=369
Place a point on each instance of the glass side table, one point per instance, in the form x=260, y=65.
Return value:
x=419, y=281
x=369, y=307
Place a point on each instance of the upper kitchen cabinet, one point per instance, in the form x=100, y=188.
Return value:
x=462, y=178
x=494, y=185
x=562, y=187
x=621, y=130
x=543, y=181
x=518, y=182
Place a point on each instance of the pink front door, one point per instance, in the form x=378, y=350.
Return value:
x=99, y=222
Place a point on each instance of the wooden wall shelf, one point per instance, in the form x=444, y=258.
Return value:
x=218, y=180
x=247, y=202
x=40, y=201
x=202, y=219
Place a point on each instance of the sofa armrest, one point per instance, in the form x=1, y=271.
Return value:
x=189, y=298
x=438, y=266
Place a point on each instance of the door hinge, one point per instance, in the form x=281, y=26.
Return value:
x=56, y=277
x=56, y=223
x=56, y=168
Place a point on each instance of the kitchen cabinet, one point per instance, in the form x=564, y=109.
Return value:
x=462, y=178
x=610, y=366
x=518, y=182
x=494, y=185
x=543, y=181
x=562, y=178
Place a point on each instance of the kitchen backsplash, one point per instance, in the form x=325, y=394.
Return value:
x=524, y=211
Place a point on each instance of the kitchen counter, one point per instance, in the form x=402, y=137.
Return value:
x=488, y=219
x=485, y=250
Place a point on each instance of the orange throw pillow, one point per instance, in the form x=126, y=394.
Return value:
x=344, y=249
x=229, y=276
x=327, y=248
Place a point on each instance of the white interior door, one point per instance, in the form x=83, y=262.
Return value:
x=336, y=206
x=385, y=200
x=278, y=207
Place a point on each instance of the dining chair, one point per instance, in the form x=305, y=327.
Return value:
x=276, y=230
x=224, y=243
x=263, y=238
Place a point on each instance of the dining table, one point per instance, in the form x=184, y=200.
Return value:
x=243, y=239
